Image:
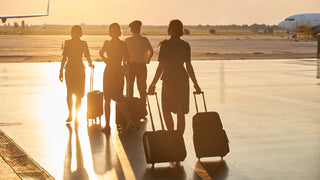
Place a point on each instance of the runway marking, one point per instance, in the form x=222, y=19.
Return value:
x=124, y=161
x=201, y=172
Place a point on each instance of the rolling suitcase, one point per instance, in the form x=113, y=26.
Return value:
x=136, y=107
x=209, y=137
x=137, y=111
x=161, y=145
x=94, y=102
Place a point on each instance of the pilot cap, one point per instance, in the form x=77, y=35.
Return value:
x=135, y=24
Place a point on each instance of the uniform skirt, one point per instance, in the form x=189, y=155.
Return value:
x=75, y=81
x=113, y=82
x=175, y=93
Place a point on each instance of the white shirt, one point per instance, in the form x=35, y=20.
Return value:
x=138, y=47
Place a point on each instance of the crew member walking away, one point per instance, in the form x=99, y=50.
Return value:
x=140, y=53
x=174, y=53
x=113, y=78
x=73, y=51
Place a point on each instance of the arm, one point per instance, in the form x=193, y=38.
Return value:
x=150, y=51
x=63, y=62
x=87, y=55
x=126, y=57
x=159, y=71
x=192, y=76
x=101, y=53
x=150, y=54
x=90, y=62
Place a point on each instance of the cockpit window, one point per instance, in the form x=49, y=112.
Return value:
x=290, y=19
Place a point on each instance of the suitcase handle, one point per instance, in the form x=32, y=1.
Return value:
x=195, y=100
x=91, y=79
x=152, y=123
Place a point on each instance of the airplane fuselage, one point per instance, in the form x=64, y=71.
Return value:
x=303, y=23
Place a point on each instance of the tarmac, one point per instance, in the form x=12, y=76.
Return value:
x=270, y=110
x=16, y=163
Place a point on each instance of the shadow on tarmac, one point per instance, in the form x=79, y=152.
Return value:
x=80, y=173
x=105, y=159
x=103, y=152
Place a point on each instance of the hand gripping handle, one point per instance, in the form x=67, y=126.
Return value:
x=195, y=100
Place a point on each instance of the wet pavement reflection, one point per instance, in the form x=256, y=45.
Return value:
x=269, y=109
x=80, y=172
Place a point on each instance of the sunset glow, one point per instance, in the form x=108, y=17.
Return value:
x=152, y=12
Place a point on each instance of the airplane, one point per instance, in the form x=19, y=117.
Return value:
x=4, y=18
x=302, y=23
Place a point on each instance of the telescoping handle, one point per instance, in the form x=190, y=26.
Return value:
x=91, y=79
x=152, y=122
x=195, y=100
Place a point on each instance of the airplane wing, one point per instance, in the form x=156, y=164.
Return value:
x=4, y=18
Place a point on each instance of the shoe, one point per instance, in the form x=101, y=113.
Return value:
x=69, y=119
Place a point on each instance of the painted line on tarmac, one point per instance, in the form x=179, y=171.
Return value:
x=199, y=170
x=124, y=161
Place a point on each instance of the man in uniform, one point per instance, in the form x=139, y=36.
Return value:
x=140, y=54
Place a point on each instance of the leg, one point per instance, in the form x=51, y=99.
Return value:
x=107, y=112
x=142, y=81
x=78, y=105
x=130, y=81
x=168, y=120
x=70, y=106
x=181, y=122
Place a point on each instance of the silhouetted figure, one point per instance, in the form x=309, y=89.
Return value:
x=113, y=78
x=140, y=53
x=72, y=62
x=80, y=173
x=174, y=53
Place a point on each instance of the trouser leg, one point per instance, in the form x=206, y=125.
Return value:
x=130, y=81
x=142, y=81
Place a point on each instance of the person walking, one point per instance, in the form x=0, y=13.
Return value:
x=73, y=51
x=174, y=53
x=113, y=78
x=140, y=53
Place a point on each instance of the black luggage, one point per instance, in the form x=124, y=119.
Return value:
x=136, y=107
x=94, y=102
x=137, y=111
x=163, y=146
x=209, y=137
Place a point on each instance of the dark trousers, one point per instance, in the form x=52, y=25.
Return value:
x=138, y=71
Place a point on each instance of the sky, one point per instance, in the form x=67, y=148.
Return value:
x=159, y=12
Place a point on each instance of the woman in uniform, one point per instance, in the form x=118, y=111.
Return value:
x=174, y=53
x=113, y=78
x=73, y=51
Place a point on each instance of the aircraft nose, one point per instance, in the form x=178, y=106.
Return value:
x=282, y=24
